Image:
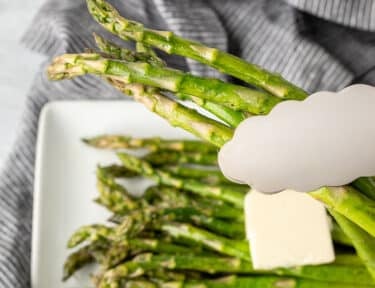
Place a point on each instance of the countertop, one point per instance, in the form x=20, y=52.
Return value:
x=18, y=66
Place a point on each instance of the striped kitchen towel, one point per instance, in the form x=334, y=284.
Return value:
x=325, y=51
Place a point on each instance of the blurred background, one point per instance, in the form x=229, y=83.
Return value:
x=18, y=66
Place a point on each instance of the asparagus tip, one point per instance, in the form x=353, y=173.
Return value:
x=66, y=276
x=86, y=140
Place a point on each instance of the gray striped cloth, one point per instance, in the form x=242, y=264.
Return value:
x=326, y=51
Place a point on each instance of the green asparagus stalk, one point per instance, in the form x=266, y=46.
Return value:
x=209, y=176
x=170, y=157
x=178, y=115
x=363, y=242
x=204, y=213
x=232, y=229
x=339, y=236
x=231, y=194
x=152, y=144
x=117, y=52
x=110, y=19
x=91, y=233
x=114, y=196
x=350, y=203
x=228, y=115
x=129, y=227
x=138, y=220
x=345, y=274
x=235, y=281
x=159, y=276
x=328, y=272
x=233, y=96
x=191, y=214
x=366, y=185
x=118, y=200
x=225, y=246
x=120, y=250
x=112, y=253
x=209, y=207
x=117, y=171
x=171, y=197
x=143, y=48
x=77, y=260
x=93, y=252
x=344, y=200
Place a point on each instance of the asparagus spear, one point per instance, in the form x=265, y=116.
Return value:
x=204, y=214
x=120, y=250
x=366, y=185
x=233, y=96
x=207, y=175
x=118, y=200
x=93, y=252
x=349, y=203
x=328, y=272
x=178, y=115
x=231, y=194
x=235, y=281
x=152, y=144
x=90, y=233
x=228, y=115
x=264, y=282
x=117, y=52
x=345, y=274
x=137, y=220
x=188, y=215
x=178, y=197
x=209, y=207
x=77, y=260
x=170, y=157
x=225, y=246
x=231, y=117
x=344, y=200
x=117, y=171
x=339, y=236
x=362, y=241
x=188, y=119
x=110, y=19
x=232, y=229
x=210, y=176
x=114, y=196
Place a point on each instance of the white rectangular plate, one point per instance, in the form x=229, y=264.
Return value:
x=65, y=176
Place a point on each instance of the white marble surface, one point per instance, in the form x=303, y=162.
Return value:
x=18, y=66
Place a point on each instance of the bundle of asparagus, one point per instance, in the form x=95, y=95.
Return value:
x=142, y=75
x=185, y=231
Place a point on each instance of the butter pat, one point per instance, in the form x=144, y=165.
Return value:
x=287, y=229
